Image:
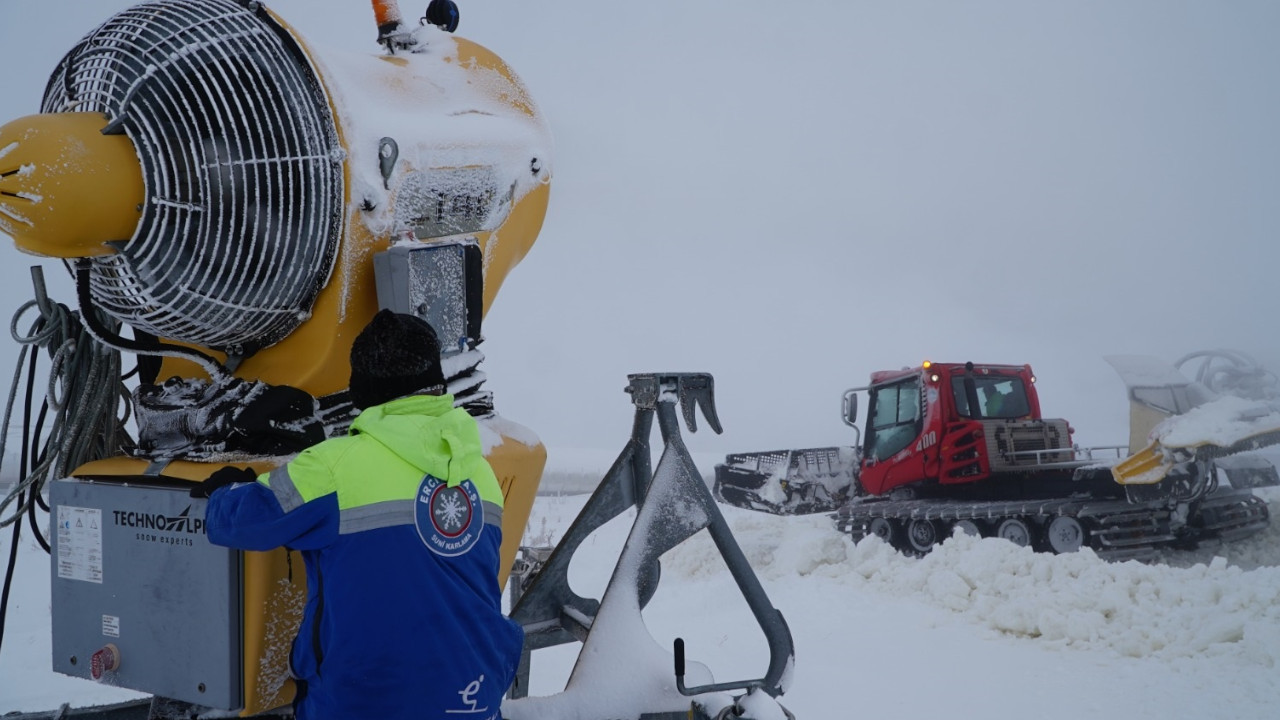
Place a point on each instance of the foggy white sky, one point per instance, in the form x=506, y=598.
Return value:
x=791, y=196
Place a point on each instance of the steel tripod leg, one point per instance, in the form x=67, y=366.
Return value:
x=550, y=612
x=671, y=506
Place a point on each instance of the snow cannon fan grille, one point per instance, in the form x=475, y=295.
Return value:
x=242, y=166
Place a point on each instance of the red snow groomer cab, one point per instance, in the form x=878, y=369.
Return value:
x=953, y=424
x=964, y=446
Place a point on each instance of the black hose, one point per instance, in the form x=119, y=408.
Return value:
x=113, y=340
x=36, y=452
x=17, y=523
x=8, y=577
x=35, y=527
x=30, y=452
x=80, y=408
x=22, y=477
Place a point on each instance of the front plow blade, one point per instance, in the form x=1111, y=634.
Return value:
x=1145, y=467
x=1213, y=431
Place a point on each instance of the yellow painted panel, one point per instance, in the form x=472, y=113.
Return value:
x=274, y=595
x=519, y=471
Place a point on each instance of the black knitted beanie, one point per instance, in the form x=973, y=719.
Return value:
x=395, y=355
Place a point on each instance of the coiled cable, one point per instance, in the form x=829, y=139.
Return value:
x=84, y=397
x=84, y=393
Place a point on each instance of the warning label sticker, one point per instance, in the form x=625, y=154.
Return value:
x=80, y=543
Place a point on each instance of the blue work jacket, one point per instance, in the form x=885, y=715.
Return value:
x=400, y=526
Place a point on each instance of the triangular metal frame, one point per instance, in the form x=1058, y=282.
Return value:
x=673, y=503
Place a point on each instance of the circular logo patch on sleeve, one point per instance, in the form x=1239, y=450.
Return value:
x=449, y=519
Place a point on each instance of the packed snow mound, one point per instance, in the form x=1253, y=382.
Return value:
x=1077, y=601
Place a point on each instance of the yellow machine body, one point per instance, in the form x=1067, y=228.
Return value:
x=91, y=190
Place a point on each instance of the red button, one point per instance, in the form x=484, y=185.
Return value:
x=104, y=660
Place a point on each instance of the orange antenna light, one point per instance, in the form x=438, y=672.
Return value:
x=387, y=15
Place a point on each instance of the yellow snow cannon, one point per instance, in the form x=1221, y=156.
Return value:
x=244, y=202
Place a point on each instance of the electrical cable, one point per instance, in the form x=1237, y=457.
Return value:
x=35, y=451
x=17, y=525
x=83, y=393
x=111, y=339
x=83, y=398
x=8, y=579
x=29, y=451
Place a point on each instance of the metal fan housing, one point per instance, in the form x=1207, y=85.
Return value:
x=241, y=162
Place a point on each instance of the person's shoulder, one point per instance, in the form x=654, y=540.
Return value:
x=332, y=444
x=329, y=452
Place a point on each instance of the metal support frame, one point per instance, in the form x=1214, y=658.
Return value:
x=552, y=613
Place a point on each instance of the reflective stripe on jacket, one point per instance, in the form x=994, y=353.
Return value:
x=400, y=527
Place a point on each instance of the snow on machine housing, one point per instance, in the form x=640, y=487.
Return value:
x=225, y=189
x=964, y=446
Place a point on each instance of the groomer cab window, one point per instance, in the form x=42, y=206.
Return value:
x=894, y=418
x=995, y=397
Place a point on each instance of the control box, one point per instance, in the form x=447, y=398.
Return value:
x=140, y=598
x=441, y=282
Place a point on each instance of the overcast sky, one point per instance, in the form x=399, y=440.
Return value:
x=793, y=195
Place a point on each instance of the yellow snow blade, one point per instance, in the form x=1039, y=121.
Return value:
x=1148, y=466
x=1151, y=464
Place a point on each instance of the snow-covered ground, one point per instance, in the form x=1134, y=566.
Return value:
x=977, y=629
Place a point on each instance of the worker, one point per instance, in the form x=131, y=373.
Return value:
x=399, y=524
x=994, y=402
x=1008, y=403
